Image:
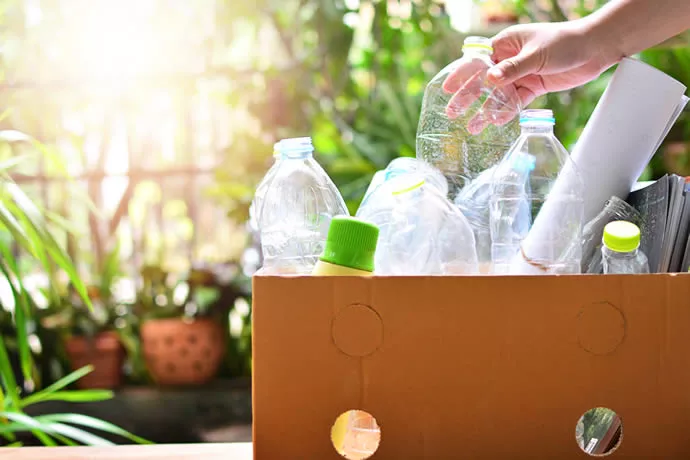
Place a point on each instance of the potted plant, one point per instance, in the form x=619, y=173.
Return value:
x=184, y=326
x=90, y=335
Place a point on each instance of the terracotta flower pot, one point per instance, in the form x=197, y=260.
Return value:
x=104, y=352
x=180, y=352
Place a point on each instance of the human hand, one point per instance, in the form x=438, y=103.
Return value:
x=535, y=59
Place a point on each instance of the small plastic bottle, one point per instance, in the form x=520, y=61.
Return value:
x=620, y=252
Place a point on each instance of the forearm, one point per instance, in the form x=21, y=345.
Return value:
x=626, y=27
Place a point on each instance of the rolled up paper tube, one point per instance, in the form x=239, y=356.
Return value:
x=632, y=118
x=630, y=121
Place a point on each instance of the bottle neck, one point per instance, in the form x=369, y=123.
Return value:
x=620, y=255
x=477, y=52
x=536, y=128
x=296, y=155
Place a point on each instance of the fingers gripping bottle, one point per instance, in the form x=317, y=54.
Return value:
x=466, y=125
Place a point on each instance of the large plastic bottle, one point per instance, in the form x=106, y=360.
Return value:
x=297, y=210
x=620, y=251
x=522, y=184
x=465, y=133
x=258, y=201
x=420, y=231
x=349, y=251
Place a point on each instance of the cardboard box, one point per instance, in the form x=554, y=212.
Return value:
x=472, y=367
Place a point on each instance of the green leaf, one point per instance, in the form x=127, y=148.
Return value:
x=94, y=423
x=22, y=310
x=7, y=377
x=43, y=395
x=69, y=396
x=38, y=239
x=23, y=422
x=44, y=438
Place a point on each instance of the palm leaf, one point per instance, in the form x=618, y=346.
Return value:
x=42, y=427
x=9, y=268
x=7, y=376
x=68, y=396
x=93, y=423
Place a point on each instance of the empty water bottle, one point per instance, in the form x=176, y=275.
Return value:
x=297, y=209
x=473, y=200
x=620, y=252
x=536, y=175
x=420, y=231
x=260, y=193
x=466, y=128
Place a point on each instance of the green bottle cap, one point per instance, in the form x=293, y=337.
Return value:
x=351, y=243
x=621, y=236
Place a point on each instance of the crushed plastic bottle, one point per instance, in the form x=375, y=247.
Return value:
x=403, y=165
x=524, y=184
x=466, y=131
x=420, y=231
x=473, y=200
x=620, y=251
x=297, y=209
x=258, y=201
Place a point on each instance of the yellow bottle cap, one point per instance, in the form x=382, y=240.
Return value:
x=621, y=236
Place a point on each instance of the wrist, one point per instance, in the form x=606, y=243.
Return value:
x=602, y=37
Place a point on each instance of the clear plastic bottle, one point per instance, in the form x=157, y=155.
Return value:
x=403, y=165
x=525, y=184
x=260, y=193
x=298, y=206
x=420, y=231
x=469, y=131
x=620, y=251
x=473, y=201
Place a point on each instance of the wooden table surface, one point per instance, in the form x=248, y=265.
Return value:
x=235, y=451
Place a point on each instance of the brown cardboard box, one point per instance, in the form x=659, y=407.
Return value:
x=472, y=367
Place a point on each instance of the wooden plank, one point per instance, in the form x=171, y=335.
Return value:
x=235, y=451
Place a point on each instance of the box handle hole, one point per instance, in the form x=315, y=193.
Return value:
x=599, y=432
x=356, y=435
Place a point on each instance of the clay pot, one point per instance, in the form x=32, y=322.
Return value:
x=104, y=352
x=182, y=352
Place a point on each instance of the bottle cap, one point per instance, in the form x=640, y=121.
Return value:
x=295, y=148
x=537, y=116
x=351, y=243
x=478, y=43
x=621, y=236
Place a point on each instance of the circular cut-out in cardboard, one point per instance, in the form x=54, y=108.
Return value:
x=599, y=432
x=357, y=330
x=356, y=435
x=601, y=328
